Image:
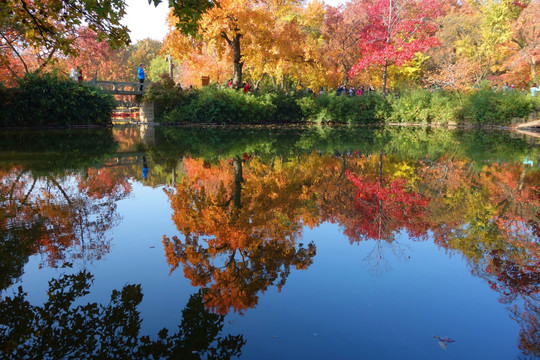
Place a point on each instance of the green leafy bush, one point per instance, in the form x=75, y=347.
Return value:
x=445, y=107
x=486, y=107
x=421, y=106
x=330, y=107
x=417, y=106
x=226, y=106
x=411, y=107
x=165, y=95
x=47, y=100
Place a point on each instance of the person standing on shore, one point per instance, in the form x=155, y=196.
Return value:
x=140, y=73
x=534, y=90
x=79, y=76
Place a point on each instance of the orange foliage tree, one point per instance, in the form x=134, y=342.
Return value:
x=342, y=47
x=526, y=39
x=240, y=228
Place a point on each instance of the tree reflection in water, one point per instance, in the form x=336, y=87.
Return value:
x=62, y=330
x=240, y=229
x=65, y=218
x=241, y=220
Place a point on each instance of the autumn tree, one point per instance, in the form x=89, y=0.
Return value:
x=46, y=29
x=226, y=23
x=342, y=33
x=395, y=31
x=475, y=43
x=97, y=59
x=194, y=55
x=450, y=66
x=267, y=35
x=526, y=39
x=290, y=48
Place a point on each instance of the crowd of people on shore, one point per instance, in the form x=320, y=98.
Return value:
x=511, y=88
x=345, y=91
x=76, y=75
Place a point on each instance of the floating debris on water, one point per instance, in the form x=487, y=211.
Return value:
x=443, y=341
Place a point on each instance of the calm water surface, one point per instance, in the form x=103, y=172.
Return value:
x=332, y=243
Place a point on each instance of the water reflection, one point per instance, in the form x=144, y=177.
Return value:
x=242, y=198
x=60, y=330
x=148, y=134
x=240, y=230
x=65, y=218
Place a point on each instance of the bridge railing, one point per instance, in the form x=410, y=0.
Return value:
x=120, y=87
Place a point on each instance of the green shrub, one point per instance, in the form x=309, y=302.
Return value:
x=330, y=107
x=47, y=100
x=226, y=106
x=445, y=107
x=165, y=95
x=485, y=107
x=421, y=106
x=411, y=107
x=418, y=106
x=287, y=107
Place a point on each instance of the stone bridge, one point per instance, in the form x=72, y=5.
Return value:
x=120, y=87
x=146, y=110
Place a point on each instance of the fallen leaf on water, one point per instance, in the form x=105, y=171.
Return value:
x=443, y=341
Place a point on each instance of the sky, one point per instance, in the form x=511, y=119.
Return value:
x=147, y=21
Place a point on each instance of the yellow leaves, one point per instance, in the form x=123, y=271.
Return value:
x=404, y=170
x=313, y=15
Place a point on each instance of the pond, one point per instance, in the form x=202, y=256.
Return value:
x=269, y=243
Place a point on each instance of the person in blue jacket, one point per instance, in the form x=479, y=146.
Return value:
x=144, y=168
x=140, y=73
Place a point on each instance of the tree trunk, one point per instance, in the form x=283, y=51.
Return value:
x=238, y=180
x=533, y=69
x=384, y=76
x=234, y=43
x=238, y=64
x=346, y=69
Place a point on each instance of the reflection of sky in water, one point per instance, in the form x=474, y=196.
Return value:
x=358, y=301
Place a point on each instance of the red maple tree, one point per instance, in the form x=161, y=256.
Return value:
x=396, y=30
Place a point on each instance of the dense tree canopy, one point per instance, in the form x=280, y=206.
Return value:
x=285, y=44
x=33, y=33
